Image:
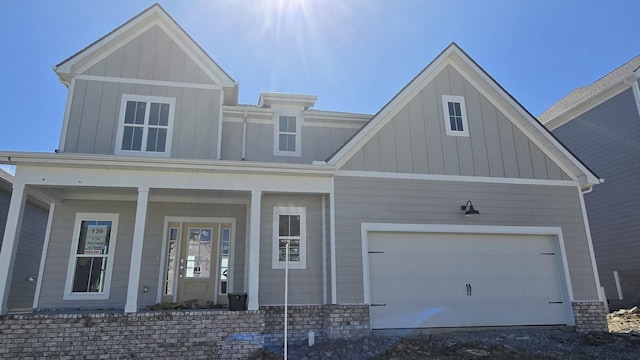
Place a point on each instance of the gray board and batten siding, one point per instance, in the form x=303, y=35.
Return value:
x=31, y=240
x=53, y=285
x=305, y=285
x=366, y=200
x=606, y=139
x=414, y=141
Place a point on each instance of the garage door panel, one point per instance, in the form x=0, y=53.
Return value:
x=421, y=280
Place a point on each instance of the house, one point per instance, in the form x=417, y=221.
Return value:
x=600, y=123
x=25, y=271
x=165, y=189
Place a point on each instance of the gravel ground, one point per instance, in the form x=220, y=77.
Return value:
x=622, y=342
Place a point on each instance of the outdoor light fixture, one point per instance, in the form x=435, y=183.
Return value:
x=468, y=209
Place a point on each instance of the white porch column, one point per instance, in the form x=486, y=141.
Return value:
x=136, y=251
x=10, y=242
x=254, y=249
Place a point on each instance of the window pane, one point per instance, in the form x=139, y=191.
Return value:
x=284, y=225
x=282, y=146
x=137, y=139
x=162, y=140
x=291, y=142
x=452, y=121
x=459, y=122
x=283, y=124
x=140, y=110
x=152, y=139
x=154, y=114
x=451, y=111
x=199, y=253
x=89, y=276
x=94, y=238
x=291, y=122
x=458, y=111
x=164, y=115
x=130, y=112
x=127, y=138
x=226, y=239
x=294, y=225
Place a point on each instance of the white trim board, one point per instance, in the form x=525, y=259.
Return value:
x=365, y=228
x=456, y=178
x=121, y=80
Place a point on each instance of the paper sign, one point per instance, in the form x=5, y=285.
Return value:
x=96, y=239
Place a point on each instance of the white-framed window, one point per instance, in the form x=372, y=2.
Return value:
x=145, y=125
x=289, y=227
x=287, y=134
x=455, y=115
x=91, y=257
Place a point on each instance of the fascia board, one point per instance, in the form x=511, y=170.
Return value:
x=587, y=104
x=590, y=177
x=155, y=15
x=138, y=163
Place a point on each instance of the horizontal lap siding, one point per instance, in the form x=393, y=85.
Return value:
x=606, y=139
x=361, y=200
x=55, y=272
x=305, y=285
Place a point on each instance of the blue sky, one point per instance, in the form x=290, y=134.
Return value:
x=355, y=55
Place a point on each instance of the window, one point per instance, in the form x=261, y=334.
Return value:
x=455, y=115
x=199, y=253
x=146, y=124
x=225, y=246
x=91, y=258
x=289, y=227
x=287, y=136
x=172, y=258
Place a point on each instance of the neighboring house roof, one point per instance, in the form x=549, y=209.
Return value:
x=584, y=98
x=453, y=55
x=6, y=180
x=154, y=14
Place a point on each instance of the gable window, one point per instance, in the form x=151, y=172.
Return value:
x=91, y=258
x=289, y=227
x=455, y=115
x=146, y=124
x=287, y=135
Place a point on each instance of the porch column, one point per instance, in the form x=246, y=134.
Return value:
x=10, y=242
x=254, y=249
x=136, y=251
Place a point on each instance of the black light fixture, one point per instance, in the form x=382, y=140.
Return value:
x=468, y=209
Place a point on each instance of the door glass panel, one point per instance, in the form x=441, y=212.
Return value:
x=225, y=243
x=172, y=255
x=198, y=255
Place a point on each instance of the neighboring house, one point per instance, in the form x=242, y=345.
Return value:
x=28, y=254
x=166, y=189
x=600, y=123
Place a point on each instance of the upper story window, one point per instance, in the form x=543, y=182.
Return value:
x=146, y=125
x=287, y=135
x=289, y=227
x=455, y=115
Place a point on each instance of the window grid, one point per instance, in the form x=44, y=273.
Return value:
x=145, y=125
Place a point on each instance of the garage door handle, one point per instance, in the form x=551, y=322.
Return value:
x=376, y=252
x=378, y=304
x=556, y=302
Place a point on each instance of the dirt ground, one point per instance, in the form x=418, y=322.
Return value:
x=622, y=342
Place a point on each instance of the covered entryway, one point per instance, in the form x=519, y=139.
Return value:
x=465, y=279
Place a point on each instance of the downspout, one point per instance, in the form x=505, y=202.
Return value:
x=244, y=136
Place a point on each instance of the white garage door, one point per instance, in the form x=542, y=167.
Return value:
x=449, y=280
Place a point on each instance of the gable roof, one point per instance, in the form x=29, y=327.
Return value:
x=153, y=15
x=584, y=98
x=454, y=56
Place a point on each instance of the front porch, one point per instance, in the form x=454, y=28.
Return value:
x=142, y=222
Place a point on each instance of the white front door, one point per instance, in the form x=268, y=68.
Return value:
x=450, y=280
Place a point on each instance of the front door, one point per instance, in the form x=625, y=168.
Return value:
x=197, y=268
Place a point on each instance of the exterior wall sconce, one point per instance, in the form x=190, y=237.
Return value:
x=468, y=209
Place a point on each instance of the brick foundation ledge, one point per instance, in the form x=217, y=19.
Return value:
x=590, y=316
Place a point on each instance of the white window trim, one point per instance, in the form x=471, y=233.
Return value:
x=276, y=133
x=80, y=217
x=302, y=212
x=143, y=151
x=446, y=99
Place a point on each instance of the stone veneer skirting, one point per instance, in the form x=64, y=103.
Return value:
x=590, y=316
x=200, y=334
